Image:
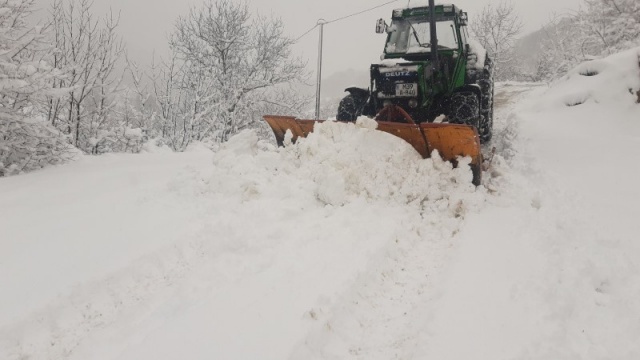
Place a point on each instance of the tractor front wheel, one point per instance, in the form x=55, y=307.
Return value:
x=351, y=107
x=464, y=108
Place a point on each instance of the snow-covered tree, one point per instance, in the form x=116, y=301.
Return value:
x=27, y=142
x=610, y=25
x=173, y=94
x=561, y=49
x=88, y=51
x=497, y=28
x=599, y=28
x=226, y=65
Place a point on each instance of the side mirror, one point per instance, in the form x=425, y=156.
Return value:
x=381, y=26
x=464, y=18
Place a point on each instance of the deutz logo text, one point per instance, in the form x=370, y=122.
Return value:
x=397, y=73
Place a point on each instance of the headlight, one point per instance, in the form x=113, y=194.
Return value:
x=386, y=103
x=413, y=103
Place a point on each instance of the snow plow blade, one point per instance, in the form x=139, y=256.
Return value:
x=451, y=140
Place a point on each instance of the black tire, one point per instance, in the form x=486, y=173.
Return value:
x=486, y=127
x=485, y=130
x=464, y=108
x=350, y=108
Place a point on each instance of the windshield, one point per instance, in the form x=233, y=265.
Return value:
x=413, y=36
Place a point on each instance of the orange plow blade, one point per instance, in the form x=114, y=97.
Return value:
x=451, y=140
x=298, y=128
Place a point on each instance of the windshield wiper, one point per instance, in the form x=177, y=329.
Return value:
x=415, y=34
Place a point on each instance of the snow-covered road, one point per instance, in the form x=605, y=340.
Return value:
x=344, y=246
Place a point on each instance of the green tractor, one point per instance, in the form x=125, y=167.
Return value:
x=430, y=67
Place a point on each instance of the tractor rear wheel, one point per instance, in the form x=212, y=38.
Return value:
x=486, y=126
x=486, y=123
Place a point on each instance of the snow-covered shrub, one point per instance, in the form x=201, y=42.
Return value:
x=119, y=139
x=27, y=142
x=29, y=145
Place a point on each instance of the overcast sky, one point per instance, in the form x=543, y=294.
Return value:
x=349, y=44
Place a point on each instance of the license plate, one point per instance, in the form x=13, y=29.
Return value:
x=409, y=90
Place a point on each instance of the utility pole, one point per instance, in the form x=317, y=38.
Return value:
x=321, y=23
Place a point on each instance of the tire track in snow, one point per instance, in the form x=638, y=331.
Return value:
x=376, y=319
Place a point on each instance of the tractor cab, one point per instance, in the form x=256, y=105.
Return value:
x=424, y=63
x=409, y=35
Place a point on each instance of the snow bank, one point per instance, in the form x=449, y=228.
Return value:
x=612, y=80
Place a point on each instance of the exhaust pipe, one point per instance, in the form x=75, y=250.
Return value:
x=434, y=36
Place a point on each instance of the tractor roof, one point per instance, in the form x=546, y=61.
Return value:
x=447, y=10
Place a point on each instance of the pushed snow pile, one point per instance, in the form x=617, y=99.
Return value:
x=614, y=80
x=339, y=163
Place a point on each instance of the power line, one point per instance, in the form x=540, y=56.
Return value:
x=362, y=12
x=344, y=17
x=305, y=34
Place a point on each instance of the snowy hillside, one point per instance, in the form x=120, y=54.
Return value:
x=346, y=245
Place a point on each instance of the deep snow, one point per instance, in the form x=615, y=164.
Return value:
x=345, y=245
